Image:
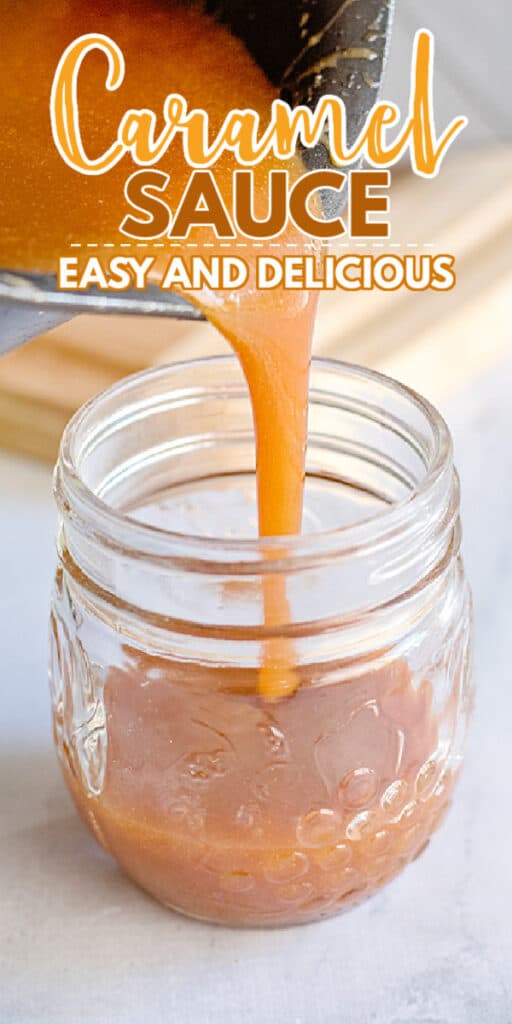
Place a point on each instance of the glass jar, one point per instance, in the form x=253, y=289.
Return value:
x=224, y=799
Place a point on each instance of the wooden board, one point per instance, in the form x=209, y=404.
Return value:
x=433, y=342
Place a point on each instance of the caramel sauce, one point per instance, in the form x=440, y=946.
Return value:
x=231, y=809
x=168, y=48
x=220, y=804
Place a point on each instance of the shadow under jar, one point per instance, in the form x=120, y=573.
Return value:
x=223, y=803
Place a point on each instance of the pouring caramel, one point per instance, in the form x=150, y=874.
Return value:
x=219, y=803
x=168, y=48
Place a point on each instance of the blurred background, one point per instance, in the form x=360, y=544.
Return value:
x=472, y=62
x=435, y=342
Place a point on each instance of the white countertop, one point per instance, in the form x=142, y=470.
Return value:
x=79, y=943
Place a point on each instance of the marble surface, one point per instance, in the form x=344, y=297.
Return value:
x=78, y=943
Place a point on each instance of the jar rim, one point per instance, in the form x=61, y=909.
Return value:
x=119, y=531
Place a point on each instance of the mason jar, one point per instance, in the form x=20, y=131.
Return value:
x=225, y=797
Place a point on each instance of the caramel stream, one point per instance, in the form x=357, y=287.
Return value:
x=167, y=48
